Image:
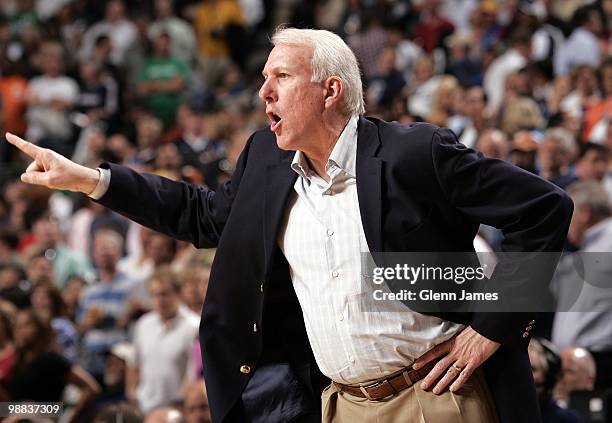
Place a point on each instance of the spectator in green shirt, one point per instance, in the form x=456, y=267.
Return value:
x=163, y=79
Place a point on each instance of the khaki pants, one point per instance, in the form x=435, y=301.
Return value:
x=471, y=404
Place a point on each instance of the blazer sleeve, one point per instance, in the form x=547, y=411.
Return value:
x=178, y=209
x=532, y=213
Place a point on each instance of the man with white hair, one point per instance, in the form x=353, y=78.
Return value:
x=578, y=373
x=310, y=194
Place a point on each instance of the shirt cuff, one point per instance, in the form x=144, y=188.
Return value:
x=103, y=184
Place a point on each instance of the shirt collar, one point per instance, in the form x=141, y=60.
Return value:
x=343, y=155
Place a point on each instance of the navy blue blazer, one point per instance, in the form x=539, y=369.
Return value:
x=418, y=190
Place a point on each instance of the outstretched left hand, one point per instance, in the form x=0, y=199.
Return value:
x=461, y=355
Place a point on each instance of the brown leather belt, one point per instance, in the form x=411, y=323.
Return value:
x=391, y=385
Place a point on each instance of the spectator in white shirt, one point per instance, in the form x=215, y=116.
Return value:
x=163, y=340
x=50, y=98
x=511, y=61
x=582, y=47
x=121, y=31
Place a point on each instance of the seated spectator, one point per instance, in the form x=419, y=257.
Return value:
x=11, y=287
x=40, y=374
x=582, y=46
x=49, y=305
x=162, y=80
x=387, y=83
x=597, y=114
x=470, y=122
x=521, y=114
x=583, y=321
x=463, y=64
x=149, y=130
x=104, y=311
x=584, y=94
x=556, y=153
x=444, y=101
x=523, y=151
x=194, y=286
x=98, y=97
x=71, y=294
x=592, y=162
x=115, y=372
x=50, y=98
x=195, y=405
x=7, y=349
x=183, y=41
x=510, y=61
x=197, y=142
x=39, y=269
x=494, y=143
x=163, y=340
x=214, y=24
x=117, y=27
x=420, y=89
x=546, y=367
x=577, y=374
x=66, y=262
x=9, y=240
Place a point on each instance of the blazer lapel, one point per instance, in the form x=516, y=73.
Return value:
x=369, y=171
x=280, y=179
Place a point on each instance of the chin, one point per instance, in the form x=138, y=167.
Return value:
x=285, y=143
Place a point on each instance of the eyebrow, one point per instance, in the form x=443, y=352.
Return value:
x=276, y=69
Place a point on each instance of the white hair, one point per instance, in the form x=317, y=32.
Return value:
x=330, y=57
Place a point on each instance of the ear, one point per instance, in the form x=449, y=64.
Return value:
x=334, y=89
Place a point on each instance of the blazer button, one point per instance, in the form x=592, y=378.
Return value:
x=525, y=334
x=529, y=327
x=532, y=322
x=254, y=327
x=261, y=287
x=245, y=369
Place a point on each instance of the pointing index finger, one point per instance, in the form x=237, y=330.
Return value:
x=25, y=146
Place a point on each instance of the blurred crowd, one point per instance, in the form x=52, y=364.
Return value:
x=102, y=314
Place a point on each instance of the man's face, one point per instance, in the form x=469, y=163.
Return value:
x=106, y=252
x=196, y=409
x=294, y=104
x=593, y=165
x=39, y=268
x=575, y=375
x=46, y=232
x=164, y=299
x=474, y=104
x=551, y=155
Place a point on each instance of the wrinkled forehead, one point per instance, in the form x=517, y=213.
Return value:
x=290, y=57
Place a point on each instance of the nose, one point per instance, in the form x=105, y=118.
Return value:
x=267, y=92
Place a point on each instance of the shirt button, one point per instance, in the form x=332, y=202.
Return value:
x=328, y=192
x=245, y=369
x=330, y=232
x=254, y=327
x=351, y=359
x=341, y=317
x=261, y=287
x=335, y=274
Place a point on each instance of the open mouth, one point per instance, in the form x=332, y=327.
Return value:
x=275, y=121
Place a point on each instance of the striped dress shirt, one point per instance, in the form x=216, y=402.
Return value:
x=354, y=338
